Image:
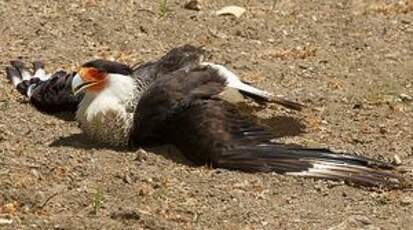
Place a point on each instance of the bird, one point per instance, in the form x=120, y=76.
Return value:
x=179, y=99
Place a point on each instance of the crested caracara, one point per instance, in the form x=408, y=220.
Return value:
x=178, y=100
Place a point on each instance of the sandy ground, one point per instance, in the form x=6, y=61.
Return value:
x=350, y=61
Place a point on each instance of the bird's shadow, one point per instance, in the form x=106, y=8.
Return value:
x=284, y=126
x=281, y=126
x=81, y=141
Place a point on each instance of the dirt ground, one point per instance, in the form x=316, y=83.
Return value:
x=350, y=61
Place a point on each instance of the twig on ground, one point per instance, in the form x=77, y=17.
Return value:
x=47, y=200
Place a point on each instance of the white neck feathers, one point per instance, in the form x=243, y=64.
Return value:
x=119, y=91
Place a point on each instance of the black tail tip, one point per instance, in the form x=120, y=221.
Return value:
x=12, y=72
x=59, y=73
x=17, y=64
x=38, y=65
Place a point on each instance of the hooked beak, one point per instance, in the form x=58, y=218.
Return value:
x=78, y=85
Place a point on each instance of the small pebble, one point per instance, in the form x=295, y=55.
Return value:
x=5, y=221
x=236, y=11
x=127, y=179
x=193, y=5
x=406, y=201
x=405, y=97
x=397, y=160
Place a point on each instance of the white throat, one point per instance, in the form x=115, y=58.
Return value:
x=107, y=115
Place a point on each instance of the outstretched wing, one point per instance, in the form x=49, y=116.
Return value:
x=184, y=109
x=187, y=57
x=183, y=57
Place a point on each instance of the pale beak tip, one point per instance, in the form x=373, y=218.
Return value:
x=76, y=82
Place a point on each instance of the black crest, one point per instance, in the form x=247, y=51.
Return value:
x=109, y=66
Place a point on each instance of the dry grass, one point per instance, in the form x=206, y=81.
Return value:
x=291, y=53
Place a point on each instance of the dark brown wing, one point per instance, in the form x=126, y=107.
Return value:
x=183, y=57
x=174, y=92
x=183, y=110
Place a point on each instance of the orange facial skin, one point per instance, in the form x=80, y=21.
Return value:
x=95, y=77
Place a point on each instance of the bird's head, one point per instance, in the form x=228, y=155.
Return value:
x=94, y=76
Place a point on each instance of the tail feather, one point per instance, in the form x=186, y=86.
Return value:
x=24, y=72
x=13, y=75
x=316, y=163
x=39, y=72
x=48, y=93
x=37, y=65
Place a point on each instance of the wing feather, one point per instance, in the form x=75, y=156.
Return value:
x=182, y=109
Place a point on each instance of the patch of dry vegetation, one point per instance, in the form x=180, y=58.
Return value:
x=402, y=7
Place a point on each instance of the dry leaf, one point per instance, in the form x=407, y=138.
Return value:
x=237, y=11
x=313, y=122
x=253, y=77
x=291, y=54
x=9, y=208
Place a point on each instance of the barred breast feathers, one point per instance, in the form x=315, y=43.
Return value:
x=107, y=116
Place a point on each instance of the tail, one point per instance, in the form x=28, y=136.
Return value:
x=316, y=163
x=48, y=93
